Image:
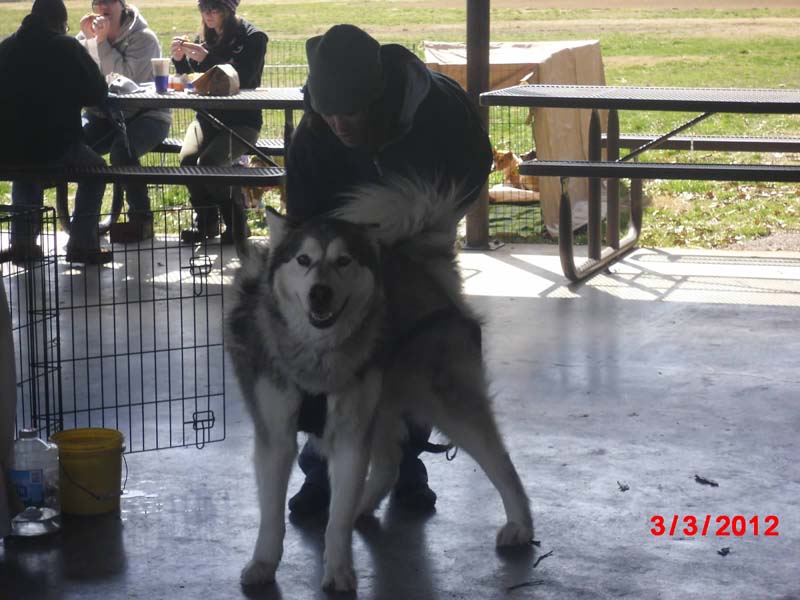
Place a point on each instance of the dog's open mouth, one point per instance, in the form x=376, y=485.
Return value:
x=323, y=320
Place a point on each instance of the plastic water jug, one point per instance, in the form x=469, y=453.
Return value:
x=34, y=477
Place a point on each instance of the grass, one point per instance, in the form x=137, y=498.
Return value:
x=704, y=47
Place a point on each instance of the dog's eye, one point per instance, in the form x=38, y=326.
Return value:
x=343, y=261
x=303, y=260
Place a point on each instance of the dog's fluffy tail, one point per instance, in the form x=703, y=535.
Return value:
x=401, y=209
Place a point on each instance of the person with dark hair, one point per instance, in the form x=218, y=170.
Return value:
x=119, y=39
x=372, y=110
x=226, y=39
x=46, y=78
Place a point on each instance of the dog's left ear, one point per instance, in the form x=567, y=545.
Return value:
x=277, y=226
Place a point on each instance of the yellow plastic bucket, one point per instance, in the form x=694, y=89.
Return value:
x=91, y=469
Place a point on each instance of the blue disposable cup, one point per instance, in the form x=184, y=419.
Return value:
x=162, y=84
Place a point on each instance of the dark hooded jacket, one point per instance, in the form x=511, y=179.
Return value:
x=424, y=125
x=246, y=52
x=46, y=78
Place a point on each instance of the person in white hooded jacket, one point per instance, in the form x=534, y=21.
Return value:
x=118, y=38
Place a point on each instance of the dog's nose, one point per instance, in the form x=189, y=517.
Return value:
x=320, y=297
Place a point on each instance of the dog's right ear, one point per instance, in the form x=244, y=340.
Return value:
x=277, y=226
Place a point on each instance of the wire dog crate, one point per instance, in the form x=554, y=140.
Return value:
x=31, y=287
x=139, y=344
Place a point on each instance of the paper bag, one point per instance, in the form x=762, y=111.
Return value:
x=219, y=80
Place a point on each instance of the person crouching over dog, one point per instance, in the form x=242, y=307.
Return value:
x=229, y=39
x=372, y=110
x=121, y=42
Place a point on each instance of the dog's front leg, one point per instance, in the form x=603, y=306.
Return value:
x=275, y=450
x=347, y=441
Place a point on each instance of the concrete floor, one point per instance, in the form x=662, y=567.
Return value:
x=676, y=364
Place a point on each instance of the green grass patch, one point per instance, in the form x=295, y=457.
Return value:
x=720, y=215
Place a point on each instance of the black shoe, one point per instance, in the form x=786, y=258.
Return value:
x=89, y=256
x=196, y=235
x=22, y=254
x=134, y=231
x=310, y=500
x=417, y=497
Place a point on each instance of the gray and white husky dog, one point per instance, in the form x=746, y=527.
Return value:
x=364, y=306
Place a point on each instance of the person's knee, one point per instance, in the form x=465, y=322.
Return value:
x=119, y=154
x=209, y=159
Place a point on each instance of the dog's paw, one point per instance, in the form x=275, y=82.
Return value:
x=339, y=578
x=257, y=572
x=514, y=534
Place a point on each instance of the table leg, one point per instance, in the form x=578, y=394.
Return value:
x=565, y=235
x=612, y=191
x=594, y=228
x=288, y=128
x=222, y=126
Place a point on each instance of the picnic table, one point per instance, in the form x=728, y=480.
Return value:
x=286, y=99
x=706, y=101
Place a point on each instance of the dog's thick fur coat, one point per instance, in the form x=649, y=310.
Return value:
x=366, y=307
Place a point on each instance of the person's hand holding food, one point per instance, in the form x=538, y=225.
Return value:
x=87, y=25
x=180, y=48
x=176, y=48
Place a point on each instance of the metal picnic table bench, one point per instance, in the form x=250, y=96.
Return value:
x=263, y=176
x=707, y=101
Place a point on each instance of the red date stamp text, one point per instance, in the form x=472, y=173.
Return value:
x=719, y=526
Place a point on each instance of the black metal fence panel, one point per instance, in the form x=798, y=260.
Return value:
x=136, y=344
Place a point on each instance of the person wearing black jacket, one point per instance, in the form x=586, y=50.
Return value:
x=413, y=121
x=370, y=111
x=46, y=78
x=227, y=39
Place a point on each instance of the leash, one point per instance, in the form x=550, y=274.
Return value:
x=441, y=449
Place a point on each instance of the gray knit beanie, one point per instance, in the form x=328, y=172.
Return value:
x=344, y=70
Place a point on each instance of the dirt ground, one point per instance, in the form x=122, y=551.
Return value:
x=619, y=4
x=589, y=27
x=780, y=240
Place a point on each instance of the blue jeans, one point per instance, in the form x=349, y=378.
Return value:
x=144, y=134
x=83, y=228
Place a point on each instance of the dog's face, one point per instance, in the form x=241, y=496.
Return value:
x=503, y=160
x=324, y=275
